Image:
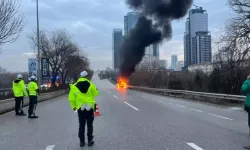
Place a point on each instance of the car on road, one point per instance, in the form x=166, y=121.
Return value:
x=121, y=84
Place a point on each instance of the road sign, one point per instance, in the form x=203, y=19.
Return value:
x=168, y=73
x=32, y=66
x=45, y=68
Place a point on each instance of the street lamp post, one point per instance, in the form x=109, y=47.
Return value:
x=38, y=48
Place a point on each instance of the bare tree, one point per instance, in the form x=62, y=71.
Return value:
x=63, y=54
x=77, y=64
x=11, y=21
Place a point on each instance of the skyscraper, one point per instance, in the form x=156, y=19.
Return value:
x=195, y=36
x=117, y=41
x=156, y=50
x=130, y=21
x=174, y=60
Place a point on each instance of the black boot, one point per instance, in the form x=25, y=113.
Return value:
x=91, y=143
x=32, y=117
x=247, y=147
x=82, y=144
x=22, y=114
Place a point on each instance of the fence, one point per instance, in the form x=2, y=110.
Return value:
x=199, y=96
x=8, y=104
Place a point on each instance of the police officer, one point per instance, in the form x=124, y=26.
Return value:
x=33, y=92
x=81, y=98
x=18, y=87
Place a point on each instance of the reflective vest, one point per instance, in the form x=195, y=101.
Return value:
x=83, y=92
x=18, y=88
x=32, y=88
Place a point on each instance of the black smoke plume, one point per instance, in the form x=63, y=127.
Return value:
x=153, y=26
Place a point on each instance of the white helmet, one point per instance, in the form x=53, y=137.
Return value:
x=83, y=74
x=33, y=77
x=19, y=76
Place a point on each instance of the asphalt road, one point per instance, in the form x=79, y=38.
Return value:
x=129, y=121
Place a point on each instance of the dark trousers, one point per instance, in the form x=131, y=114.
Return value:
x=85, y=117
x=32, y=105
x=248, y=112
x=18, y=101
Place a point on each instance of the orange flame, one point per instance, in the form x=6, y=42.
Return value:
x=121, y=83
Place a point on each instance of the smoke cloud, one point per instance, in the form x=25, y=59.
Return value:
x=153, y=26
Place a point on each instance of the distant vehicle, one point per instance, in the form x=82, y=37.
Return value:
x=44, y=86
x=121, y=84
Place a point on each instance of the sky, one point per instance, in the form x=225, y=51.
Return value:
x=90, y=23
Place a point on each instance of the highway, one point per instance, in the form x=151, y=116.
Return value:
x=131, y=121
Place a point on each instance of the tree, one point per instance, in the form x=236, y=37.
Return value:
x=75, y=65
x=64, y=56
x=11, y=21
x=232, y=59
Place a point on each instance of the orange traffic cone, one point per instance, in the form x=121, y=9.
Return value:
x=97, y=113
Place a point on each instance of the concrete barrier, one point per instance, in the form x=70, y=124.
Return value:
x=9, y=104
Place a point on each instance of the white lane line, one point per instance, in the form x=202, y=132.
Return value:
x=237, y=108
x=50, y=147
x=220, y=116
x=180, y=106
x=196, y=110
x=194, y=146
x=109, y=92
x=115, y=96
x=132, y=106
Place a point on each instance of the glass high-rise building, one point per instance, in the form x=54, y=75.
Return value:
x=195, y=36
x=174, y=60
x=130, y=21
x=116, y=46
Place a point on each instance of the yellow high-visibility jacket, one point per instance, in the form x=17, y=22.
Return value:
x=82, y=92
x=33, y=88
x=18, y=88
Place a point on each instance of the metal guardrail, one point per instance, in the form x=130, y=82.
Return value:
x=193, y=94
x=215, y=97
x=5, y=93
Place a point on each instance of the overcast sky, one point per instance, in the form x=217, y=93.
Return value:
x=90, y=22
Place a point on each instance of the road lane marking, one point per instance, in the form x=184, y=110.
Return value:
x=180, y=106
x=50, y=147
x=115, y=96
x=196, y=110
x=194, y=146
x=166, y=102
x=220, y=116
x=109, y=92
x=237, y=108
x=132, y=106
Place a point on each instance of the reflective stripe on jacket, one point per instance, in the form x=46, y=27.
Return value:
x=83, y=92
x=18, y=88
x=32, y=88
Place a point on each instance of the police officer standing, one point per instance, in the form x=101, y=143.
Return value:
x=81, y=98
x=33, y=92
x=18, y=87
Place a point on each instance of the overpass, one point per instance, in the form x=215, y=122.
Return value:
x=132, y=121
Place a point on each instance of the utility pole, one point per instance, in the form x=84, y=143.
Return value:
x=38, y=48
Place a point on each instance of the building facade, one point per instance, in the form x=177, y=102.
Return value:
x=202, y=44
x=206, y=67
x=163, y=63
x=130, y=21
x=3, y=70
x=180, y=66
x=174, y=60
x=195, y=36
x=116, y=46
